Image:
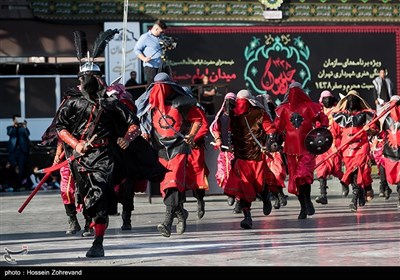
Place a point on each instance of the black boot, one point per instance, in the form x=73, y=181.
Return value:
x=345, y=189
x=200, y=208
x=282, y=197
x=185, y=213
x=165, y=227
x=381, y=189
x=87, y=230
x=323, y=199
x=306, y=189
x=361, y=197
x=368, y=193
x=277, y=203
x=97, y=250
x=74, y=226
x=126, y=220
x=266, y=199
x=303, y=209
x=237, y=209
x=231, y=200
x=388, y=191
x=383, y=185
x=182, y=216
x=247, y=222
x=398, y=195
x=354, y=200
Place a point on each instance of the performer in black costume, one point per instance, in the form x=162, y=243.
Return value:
x=87, y=124
x=94, y=128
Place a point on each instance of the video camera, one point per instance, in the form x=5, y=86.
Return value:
x=19, y=121
x=168, y=43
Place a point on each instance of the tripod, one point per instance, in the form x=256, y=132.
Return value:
x=165, y=66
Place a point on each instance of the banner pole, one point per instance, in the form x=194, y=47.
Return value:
x=124, y=27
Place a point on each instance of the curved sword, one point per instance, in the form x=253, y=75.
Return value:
x=263, y=148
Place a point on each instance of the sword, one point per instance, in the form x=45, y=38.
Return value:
x=68, y=160
x=263, y=148
x=222, y=146
x=39, y=185
x=56, y=166
x=48, y=172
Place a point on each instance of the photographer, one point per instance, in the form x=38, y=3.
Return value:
x=149, y=50
x=18, y=147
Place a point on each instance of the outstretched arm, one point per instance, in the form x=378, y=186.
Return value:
x=132, y=132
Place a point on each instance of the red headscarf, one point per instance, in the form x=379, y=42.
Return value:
x=242, y=106
x=297, y=97
x=158, y=94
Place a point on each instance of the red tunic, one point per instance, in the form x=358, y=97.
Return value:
x=333, y=165
x=225, y=157
x=249, y=173
x=391, y=149
x=197, y=168
x=295, y=118
x=174, y=152
x=356, y=155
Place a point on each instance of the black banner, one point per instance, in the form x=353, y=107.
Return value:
x=268, y=59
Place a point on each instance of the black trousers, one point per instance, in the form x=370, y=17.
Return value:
x=174, y=198
x=199, y=194
x=150, y=73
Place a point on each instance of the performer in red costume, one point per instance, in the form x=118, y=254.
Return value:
x=198, y=170
x=353, y=115
x=333, y=165
x=377, y=143
x=221, y=130
x=296, y=116
x=171, y=120
x=251, y=126
x=275, y=162
x=67, y=190
x=391, y=148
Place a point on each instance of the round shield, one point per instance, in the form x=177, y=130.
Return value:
x=318, y=140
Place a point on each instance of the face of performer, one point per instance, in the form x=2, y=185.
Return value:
x=328, y=101
x=230, y=104
x=242, y=106
x=90, y=84
x=353, y=103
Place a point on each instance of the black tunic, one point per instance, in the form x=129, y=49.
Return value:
x=93, y=170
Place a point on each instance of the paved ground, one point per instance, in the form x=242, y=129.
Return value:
x=334, y=236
